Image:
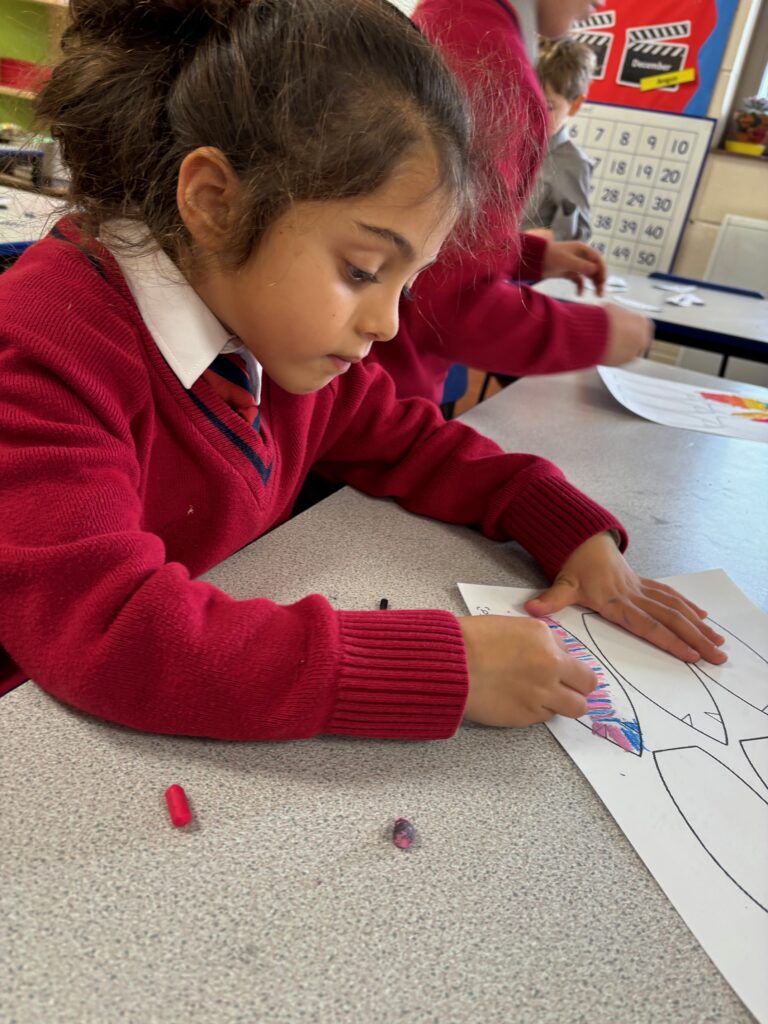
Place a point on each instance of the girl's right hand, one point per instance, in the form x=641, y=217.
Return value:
x=520, y=673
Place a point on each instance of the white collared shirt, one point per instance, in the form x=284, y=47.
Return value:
x=187, y=333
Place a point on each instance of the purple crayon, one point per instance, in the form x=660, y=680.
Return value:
x=403, y=834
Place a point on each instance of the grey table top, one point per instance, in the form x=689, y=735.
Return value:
x=286, y=902
x=726, y=314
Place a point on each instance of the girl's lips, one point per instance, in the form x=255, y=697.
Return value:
x=342, y=365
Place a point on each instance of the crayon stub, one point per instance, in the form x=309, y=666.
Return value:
x=403, y=834
x=178, y=808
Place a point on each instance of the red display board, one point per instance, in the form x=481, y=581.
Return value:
x=639, y=39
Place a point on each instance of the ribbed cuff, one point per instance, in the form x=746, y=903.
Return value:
x=558, y=518
x=402, y=675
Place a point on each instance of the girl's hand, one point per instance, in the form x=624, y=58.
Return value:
x=597, y=576
x=574, y=261
x=520, y=673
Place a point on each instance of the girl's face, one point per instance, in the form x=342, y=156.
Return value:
x=326, y=280
x=556, y=17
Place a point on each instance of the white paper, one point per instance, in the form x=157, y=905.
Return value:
x=669, y=286
x=689, y=405
x=679, y=756
x=685, y=301
x=643, y=307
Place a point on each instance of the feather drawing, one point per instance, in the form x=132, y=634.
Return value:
x=666, y=682
x=736, y=838
x=745, y=674
x=610, y=712
x=756, y=752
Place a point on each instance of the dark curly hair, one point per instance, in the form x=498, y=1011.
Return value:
x=308, y=100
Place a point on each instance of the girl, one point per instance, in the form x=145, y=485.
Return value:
x=474, y=311
x=256, y=184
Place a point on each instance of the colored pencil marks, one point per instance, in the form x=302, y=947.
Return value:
x=696, y=782
x=745, y=408
x=745, y=674
x=610, y=713
x=669, y=684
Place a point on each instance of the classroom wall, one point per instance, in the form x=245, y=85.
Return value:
x=729, y=184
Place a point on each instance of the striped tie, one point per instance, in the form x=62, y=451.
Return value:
x=229, y=378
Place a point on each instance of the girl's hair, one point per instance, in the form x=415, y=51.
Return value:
x=308, y=100
x=567, y=66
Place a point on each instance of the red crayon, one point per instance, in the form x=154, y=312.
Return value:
x=178, y=808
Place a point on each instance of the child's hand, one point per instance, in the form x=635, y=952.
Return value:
x=597, y=576
x=575, y=261
x=520, y=673
x=629, y=335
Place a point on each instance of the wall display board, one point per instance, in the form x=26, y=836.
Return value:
x=644, y=38
x=647, y=168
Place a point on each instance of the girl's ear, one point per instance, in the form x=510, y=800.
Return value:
x=206, y=195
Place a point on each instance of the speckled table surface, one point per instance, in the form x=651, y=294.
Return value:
x=286, y=902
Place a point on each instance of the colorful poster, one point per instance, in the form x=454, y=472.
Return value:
x=634, y=40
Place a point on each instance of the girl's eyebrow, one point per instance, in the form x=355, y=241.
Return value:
x=388, y=235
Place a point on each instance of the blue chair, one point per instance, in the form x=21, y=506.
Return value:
x=456, y=384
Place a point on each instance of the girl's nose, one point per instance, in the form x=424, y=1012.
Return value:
x=380, y=319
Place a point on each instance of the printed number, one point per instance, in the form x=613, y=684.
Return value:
x=621, y=252
x=573, y=131
x=483, y=610
x=596, y=161
x=600, y=247
x=636, y=199
x=599, y=133
x=644, y=171
x=628, y=226
x=610, y=195
x=670, y=174
x=647, y=259
x=624, y=139
x=604, y=222
x=660, y=203
x=618, y=166
x=680, y=146
x=654, y=231
x=652, y=140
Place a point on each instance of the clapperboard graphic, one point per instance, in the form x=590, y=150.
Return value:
x=587, y=31
x=648, y=51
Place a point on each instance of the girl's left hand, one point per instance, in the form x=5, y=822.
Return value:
x=597, y=576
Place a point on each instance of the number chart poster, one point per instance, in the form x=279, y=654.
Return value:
x=644, y=38
x=646, y=169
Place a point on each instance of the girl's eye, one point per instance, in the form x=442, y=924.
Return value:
x=361, y=276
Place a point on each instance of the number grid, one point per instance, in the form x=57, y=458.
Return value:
x=647, y=167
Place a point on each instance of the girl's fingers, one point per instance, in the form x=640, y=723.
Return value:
x=565, y=701
x=671, y=631
x=671, y=592
x=663, y=597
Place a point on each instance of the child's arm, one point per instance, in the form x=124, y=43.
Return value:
x=449, y=472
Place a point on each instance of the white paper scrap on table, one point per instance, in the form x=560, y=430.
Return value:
x=685, y=300
x=690, y=406
x=670, y=286
x=644, y=307
x=679, y=755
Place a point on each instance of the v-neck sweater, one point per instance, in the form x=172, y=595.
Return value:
x=120, y=487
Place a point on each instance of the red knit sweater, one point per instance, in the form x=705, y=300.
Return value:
x=119, y=487
x=473, y=312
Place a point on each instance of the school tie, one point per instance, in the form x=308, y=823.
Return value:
x=228, y=376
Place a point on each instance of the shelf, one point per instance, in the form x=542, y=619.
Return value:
x=9, y=180
x=19, y=94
